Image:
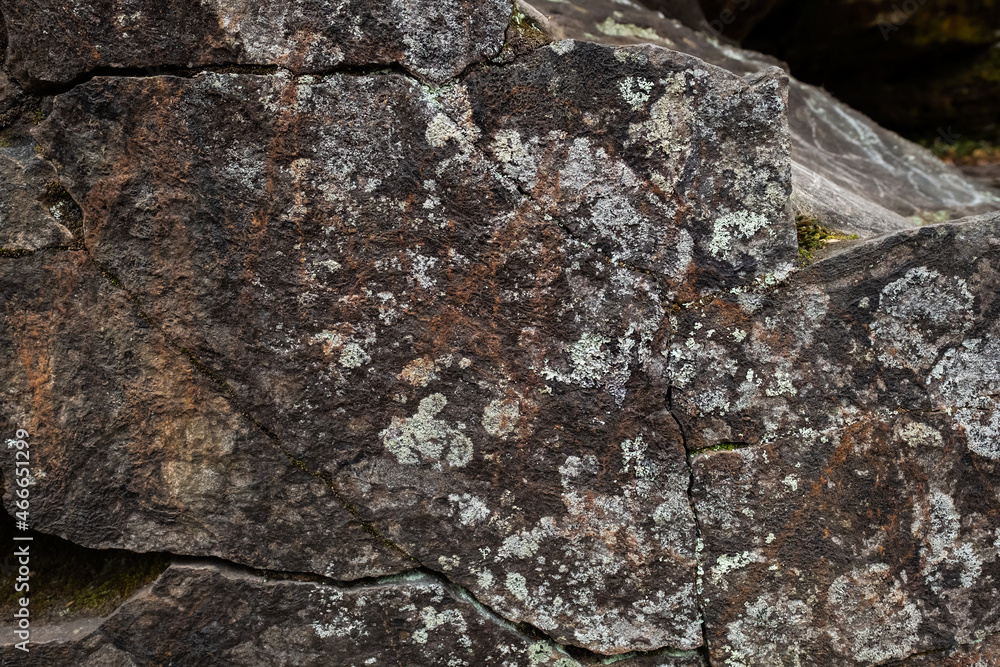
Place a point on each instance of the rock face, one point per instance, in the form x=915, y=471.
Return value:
x=858, y=503
x=506, y=364
x=458, y=297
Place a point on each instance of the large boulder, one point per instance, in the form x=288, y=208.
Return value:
x=511, y=365
x=453, y=324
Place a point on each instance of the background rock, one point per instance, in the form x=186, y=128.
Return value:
x=847, y=171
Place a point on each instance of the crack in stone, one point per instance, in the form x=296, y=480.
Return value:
x=153, y=71
x=699, y=545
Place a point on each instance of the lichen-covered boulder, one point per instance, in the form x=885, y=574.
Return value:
x=499, y=360
x=460, y=324
x=156, y=457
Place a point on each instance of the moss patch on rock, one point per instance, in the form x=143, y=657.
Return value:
x=813, y=236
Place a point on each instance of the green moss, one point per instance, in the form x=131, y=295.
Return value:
x=931, y=29
x=5, y=142
x=813, y=236
x=720, y=447
x=964, y=151
x=523, y=36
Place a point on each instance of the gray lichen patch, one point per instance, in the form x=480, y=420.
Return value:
x=423, y=437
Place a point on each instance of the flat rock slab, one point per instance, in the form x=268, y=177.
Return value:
x=458, y=319
x=210, y=614
x=432, y=39
x=536, y=336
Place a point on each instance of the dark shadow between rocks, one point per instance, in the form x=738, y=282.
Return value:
x=69, y=582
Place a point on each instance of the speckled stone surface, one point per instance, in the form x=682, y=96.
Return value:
x=461, y=321
x=519, y=356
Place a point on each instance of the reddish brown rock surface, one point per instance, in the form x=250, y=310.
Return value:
x=512, y=365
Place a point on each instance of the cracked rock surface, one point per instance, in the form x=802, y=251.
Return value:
x=434, y=39
x=485, y=360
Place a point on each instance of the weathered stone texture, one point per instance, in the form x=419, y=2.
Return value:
x=207, y=614
x=25, y=224
x=461, y=320
x=133, y=448
x=857, y=521
x=536, y=336
x=434, y=39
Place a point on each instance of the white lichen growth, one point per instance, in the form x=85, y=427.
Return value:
x=353, y=356
x=517, y=586
x=424, y=437
x=500, y=417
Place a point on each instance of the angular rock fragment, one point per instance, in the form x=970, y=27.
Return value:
x=435, y=40
x=460, y=320
x=847, y=429
x=30, y=217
